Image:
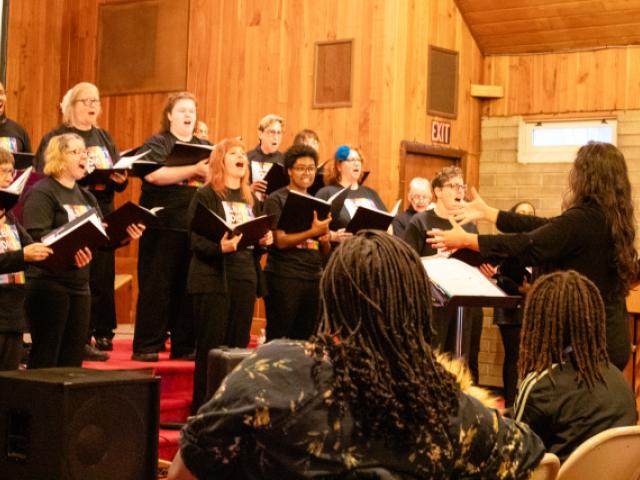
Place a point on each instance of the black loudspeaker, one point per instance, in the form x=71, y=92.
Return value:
x=79, y=424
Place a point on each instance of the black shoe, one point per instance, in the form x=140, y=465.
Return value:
x=191, y=356
x=144, y=357
x=105, y=344
x=92, y=354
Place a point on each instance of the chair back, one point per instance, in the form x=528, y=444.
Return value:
x=613, y=455
x=547, y=469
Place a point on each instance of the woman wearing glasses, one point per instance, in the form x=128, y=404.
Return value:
x=80, y=111
x=58, y=304
x=294, y=263
x=346, y=173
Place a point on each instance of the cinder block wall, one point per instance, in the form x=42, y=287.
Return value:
x=504, y=182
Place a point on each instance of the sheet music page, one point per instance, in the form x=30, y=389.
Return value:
x=458, y=278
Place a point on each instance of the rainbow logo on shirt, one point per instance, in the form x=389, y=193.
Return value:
x=10, y=242
x=98, y=157
x=74, y=211
x=237, y=212
x=9, y=143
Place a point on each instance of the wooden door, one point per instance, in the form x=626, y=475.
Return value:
x=421, y=160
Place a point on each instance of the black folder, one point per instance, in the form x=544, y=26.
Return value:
x=297, y=212
x=318, y=182
x=183, y=154
x=210, y=225
x=22, y=160
x=276, y=178
x=84, y=231
x=118, y=221
x=369, y=218
x=9, y=196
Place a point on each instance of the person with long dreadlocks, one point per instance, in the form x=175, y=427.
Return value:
x=365, y=392
x=570, y=391
x=594, y=235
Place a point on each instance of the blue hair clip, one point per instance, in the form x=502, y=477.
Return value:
x=342, y=153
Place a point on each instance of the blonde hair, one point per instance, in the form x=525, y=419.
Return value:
x=6, y=157
x=55, y=160
x=72, y=95
x=268, y=120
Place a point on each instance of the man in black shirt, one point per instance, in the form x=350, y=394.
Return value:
x=13, y=136
x=261, y=158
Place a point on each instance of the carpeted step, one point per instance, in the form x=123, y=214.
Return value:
x=168, y=442
x=174, y=408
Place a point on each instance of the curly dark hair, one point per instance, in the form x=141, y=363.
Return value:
x=375, y=326
x=600, y=175
x=297, y=151
x=564, y=309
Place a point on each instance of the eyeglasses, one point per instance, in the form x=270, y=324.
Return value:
x=304, y=169
x=7, y=172
x=89, y=102
x=458, y=187
x=422, y=198
x=77, y=151
x=273, y=133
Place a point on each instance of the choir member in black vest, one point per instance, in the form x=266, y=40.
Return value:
x=223, y=280
x=80, y=111
x=164, y=253
x=449, y=189
x=16, y=250
x=261, y=158
x=346, y=171
x=294, y=263
x=13, y=136
x=419, y=199
x=594, y=235
x=58, y=304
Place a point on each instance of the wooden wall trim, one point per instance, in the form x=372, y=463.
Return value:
x=433, y=150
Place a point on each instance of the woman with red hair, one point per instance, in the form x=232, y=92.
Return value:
x=223, y=279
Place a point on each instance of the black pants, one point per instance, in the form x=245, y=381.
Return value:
x=163, y=263
x=291, y=307
x=59, y=326
x=220, y=319
x=445, y=322
x=511, y=342
x=103, y=303
x=10, y=350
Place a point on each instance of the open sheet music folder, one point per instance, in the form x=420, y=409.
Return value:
x=457, y=284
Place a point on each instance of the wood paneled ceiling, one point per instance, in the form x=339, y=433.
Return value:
x=530, y=26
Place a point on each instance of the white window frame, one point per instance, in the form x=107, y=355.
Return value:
x=529, y=153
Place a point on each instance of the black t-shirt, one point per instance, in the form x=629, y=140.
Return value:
x=101, y=153
x=174, y=198
x=303, y=261
x=361, y=196
x=13, y=238
x=260, y=162
x=416, y=233
x=401, y=221
x=49, y=205
x=14, y=137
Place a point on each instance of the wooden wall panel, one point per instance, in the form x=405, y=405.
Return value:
x=589, y=81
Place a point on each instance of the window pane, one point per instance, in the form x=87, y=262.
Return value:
x=564, y=136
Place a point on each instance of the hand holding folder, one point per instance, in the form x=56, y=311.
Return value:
x=120, y=221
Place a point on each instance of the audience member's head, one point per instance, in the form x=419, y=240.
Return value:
x=564, y=319
x=419, y=194
x=375, y=324
x=307, y=137
x=270, y=131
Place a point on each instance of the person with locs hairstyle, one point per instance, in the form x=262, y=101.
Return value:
x=366, y=392
x=594, y=235
x=164, y=253
x=569, y=391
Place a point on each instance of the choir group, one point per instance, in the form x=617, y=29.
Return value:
x=348, y=378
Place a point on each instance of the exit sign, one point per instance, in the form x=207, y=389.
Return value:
x=440, y=132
